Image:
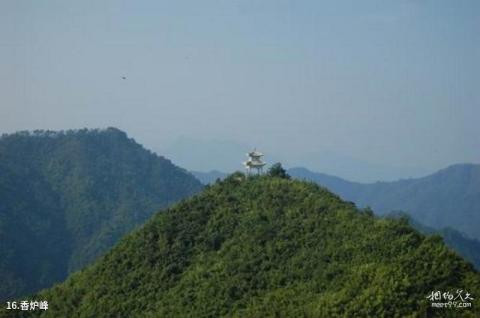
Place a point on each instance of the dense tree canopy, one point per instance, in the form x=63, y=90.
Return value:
x=67, y=197
x=465, y=245
x=447, y=198
x=276, y=170
x=265, y=247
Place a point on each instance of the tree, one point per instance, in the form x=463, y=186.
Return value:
x=277, y=170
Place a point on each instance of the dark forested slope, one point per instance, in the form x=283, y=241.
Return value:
x=266, y=246
x=67, y=197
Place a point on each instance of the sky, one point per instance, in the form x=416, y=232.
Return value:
x=388, y=83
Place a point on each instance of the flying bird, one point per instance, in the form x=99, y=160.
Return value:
x=123, y=77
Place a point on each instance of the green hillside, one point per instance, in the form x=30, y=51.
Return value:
x=67, y=197
x=267, y=247
x=466, y=246
x=447, y=198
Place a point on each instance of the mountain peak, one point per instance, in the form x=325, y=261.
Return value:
x=67, y=197
x=253, y=246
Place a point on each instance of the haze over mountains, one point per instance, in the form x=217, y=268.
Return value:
x=226, y=156
x=266, y=246
x=68, y=197
x=378, y=96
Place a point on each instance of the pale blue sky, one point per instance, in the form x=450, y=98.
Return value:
x=390, y=82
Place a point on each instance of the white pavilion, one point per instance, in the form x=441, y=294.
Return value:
x=254, y=162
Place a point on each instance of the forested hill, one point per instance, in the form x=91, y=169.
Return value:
x=67, y=197
x=447, y=198
x=267, y=246
x=468, y=247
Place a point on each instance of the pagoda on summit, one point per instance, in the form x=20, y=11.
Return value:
x=254, y=162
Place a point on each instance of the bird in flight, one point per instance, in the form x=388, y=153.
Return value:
x=123, y=77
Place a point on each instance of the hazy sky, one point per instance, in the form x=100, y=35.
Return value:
x=389, y=82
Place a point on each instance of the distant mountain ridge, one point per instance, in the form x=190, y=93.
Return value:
x=227, y=155
x=67, y=197
x=210, y=176
x=447, y=198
